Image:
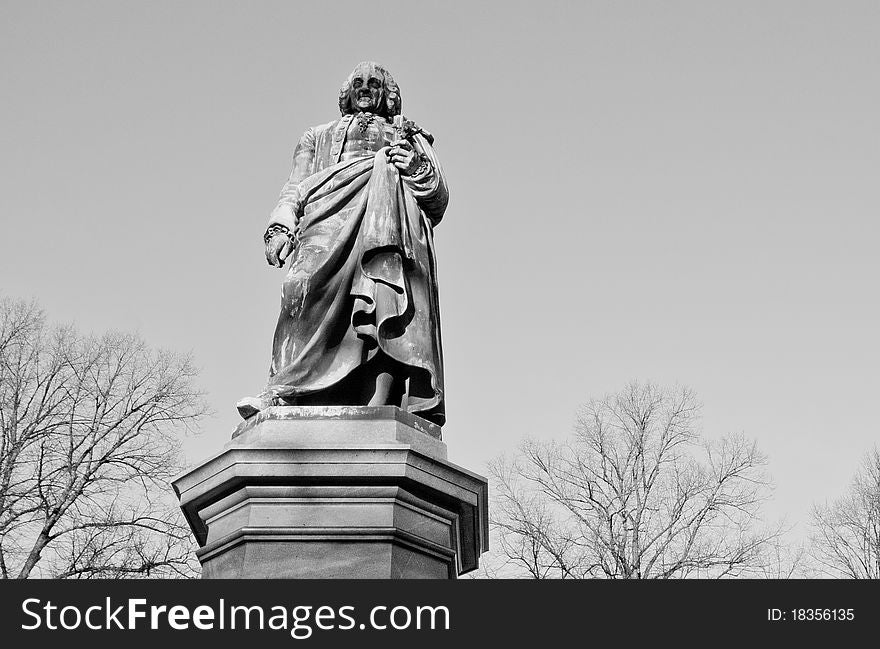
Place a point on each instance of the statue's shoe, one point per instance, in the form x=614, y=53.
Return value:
x=249, y=406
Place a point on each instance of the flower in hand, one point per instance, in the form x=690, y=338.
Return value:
x=402, y=156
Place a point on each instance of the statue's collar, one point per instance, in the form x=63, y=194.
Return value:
x=367, y=116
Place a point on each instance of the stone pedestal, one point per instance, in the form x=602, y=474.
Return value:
x=335, y=492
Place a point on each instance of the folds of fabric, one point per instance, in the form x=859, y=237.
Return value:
x=362, y=282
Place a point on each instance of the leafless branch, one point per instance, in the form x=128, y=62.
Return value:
x=846, y=537
x=89, y=438
x=635, y=493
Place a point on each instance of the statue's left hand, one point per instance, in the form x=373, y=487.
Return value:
x=402, y=156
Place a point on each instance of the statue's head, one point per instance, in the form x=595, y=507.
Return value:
x=370, y=88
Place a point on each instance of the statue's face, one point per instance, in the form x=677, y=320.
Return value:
x=367, y=90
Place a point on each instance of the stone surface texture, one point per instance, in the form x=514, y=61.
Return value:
x=335, y=492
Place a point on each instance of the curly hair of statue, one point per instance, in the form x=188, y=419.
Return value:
x=393, y=101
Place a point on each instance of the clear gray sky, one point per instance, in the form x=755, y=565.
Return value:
x=686, y=192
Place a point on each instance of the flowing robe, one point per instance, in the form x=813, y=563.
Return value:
x=363, y=280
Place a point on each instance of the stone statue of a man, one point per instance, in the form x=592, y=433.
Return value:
x=360, y=322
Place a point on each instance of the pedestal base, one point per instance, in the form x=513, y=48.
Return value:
x=335, y=492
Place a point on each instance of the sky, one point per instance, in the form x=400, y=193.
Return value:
x=680, y=192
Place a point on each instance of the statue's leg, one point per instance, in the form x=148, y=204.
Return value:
x=385, y=383
x=382, y=391
x=381, y=381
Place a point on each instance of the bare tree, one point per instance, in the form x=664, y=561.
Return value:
x=88, y=446
x=846, y=538
x=635, y=494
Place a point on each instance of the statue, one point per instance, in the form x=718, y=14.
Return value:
x=360, y=320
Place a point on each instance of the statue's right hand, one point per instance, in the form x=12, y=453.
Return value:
x=278, y=249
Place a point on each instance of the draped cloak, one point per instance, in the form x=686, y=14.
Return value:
x=363, y=279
